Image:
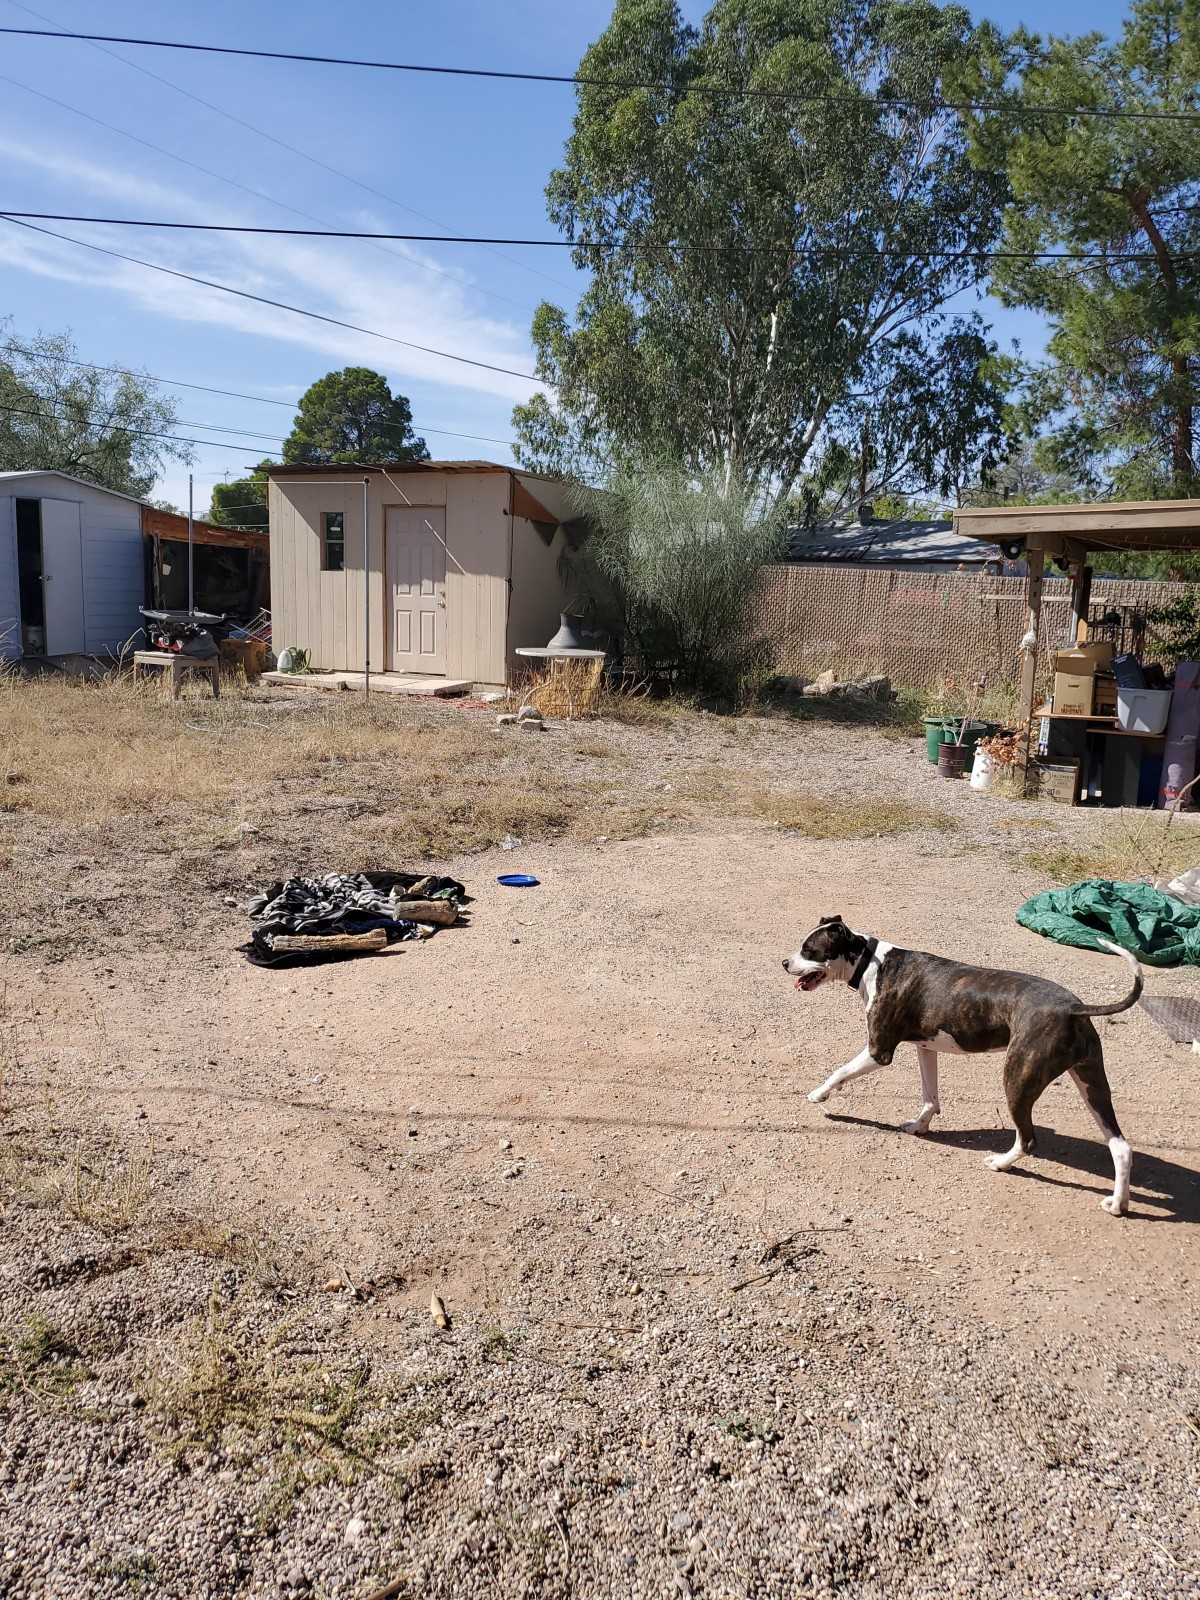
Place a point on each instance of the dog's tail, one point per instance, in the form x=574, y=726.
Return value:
x=1131, y=999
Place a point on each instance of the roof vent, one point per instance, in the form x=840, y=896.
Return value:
x=866, y=513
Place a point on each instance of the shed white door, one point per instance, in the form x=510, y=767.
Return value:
x=62, y=578
x=416, y=587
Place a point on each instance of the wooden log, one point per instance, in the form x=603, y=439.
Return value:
x=443, y=912
x=308, y=943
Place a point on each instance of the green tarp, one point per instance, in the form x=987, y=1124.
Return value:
x=1157, y=928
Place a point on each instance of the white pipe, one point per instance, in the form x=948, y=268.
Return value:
x=191, y=569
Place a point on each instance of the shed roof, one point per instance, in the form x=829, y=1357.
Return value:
x=353, y=469
x=1102, y=525
x=907, y=541
x=69, y=477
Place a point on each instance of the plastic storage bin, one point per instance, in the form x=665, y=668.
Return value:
x=1143, y=710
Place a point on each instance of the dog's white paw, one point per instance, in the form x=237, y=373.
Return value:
x=998, y=1163
x=916, y=1126
x=1111, y=1205
x=818, y=1095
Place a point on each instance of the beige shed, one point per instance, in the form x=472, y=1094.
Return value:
x=462, y=568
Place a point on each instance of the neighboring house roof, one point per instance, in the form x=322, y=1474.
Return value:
x=68, y=477
x=902, y=543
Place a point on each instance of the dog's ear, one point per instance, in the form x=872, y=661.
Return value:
x=835, y=918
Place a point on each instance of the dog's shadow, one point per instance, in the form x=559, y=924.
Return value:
x=1163, y=1191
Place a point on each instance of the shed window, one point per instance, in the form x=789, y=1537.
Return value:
x=333, y=541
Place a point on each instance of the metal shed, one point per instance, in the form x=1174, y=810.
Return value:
x=460, y=567
x=70, y=566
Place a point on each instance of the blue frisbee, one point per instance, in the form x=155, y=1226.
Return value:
x=518, y=880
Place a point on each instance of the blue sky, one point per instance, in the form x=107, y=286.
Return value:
x=436, y=155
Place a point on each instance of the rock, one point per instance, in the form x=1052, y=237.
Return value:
x=532, y=724
x=355, y=1529
x=529, y=714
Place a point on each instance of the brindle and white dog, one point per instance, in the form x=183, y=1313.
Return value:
x=946, y=1006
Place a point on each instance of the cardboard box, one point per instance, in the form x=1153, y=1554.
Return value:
x=1083, y=658
x=1104, y=700
x=1054, y=780
x=1074, y=693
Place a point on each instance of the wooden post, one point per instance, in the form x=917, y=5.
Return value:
x=1036, y=558
x=1081, y=599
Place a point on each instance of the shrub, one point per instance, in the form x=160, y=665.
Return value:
x=671, y=567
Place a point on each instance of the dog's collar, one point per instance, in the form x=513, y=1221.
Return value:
x=864, y=961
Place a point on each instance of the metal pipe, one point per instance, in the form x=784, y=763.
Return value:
x=366, y=589
x=191, y=568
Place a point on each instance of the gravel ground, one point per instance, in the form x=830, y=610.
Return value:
x=705, y=1340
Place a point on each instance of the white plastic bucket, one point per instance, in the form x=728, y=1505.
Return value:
x=1143, y=710
x=983, y=772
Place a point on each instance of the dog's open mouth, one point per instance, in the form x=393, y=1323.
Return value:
x=811, y=980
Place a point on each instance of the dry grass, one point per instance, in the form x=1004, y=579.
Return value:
x=1148, y=845
x=849, y=819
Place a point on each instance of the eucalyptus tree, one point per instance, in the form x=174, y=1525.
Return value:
x=776, y=208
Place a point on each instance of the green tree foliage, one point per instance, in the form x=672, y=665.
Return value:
x=352, y=416
x=671, y=566
x=1119, y=389
x=241, y=503
x=114, y=429
x=771, y=271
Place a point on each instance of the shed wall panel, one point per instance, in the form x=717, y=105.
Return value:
x=10, y=603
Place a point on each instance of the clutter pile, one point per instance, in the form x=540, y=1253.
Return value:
x=304, y=920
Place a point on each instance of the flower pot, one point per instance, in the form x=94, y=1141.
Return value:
x=952, y=760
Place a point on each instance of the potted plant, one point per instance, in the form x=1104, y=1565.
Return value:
x=998, y=765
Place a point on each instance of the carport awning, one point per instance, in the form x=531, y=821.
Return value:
x=1107, y=525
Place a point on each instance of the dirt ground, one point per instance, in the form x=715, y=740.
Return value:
x=582, y=1121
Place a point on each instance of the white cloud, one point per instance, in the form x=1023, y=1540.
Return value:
x=345, y=279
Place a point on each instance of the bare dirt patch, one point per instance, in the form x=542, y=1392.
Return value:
x=704, y=1339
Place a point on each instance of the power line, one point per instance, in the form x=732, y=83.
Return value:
x=840, y=252
x=928, y=102
x=259, y=194
x=294, y=150
x=279, y=305
x=236, y=394
x=115, y=427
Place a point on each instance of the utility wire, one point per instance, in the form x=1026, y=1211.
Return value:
x=294, y=150
x=279, y=305
x=928, y=102
x=259, y=194
x=840, y=252
x=120, y=427
x=232, y=394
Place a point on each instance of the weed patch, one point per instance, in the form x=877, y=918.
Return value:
x=1150, y=847
x=38, y=1360
x=256, y=1394
x=850, y=819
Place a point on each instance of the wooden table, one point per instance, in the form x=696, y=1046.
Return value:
x=179, y=664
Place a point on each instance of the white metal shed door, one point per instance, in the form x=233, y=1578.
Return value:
x=62, y=577
x=416, y=570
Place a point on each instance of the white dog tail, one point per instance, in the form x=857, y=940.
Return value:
x=1131, y=999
